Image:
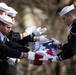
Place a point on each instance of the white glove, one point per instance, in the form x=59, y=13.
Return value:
x=30, y=30
x=11, y=61
x=55, y=42
x=39, y=31
x=54, y=59
x=43, y=39
x=31, y=55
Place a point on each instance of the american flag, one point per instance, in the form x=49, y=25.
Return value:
x=45, y=46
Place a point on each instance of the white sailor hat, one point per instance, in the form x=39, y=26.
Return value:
x=12, y=12
x=66, y=10
x=4, y=7
x=6, y=19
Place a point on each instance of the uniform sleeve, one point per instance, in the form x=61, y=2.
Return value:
x=16, y=37
x=4, y=49
x=26, y=40
x=13, y=36
x=17, y=46
x=73, y=29
x=72, y=38
x=69, y=49
x=66, y=52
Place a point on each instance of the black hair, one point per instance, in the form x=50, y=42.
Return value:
x=2, y=23
x=73, y=12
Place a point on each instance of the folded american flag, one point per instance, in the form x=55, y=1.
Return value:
x=45, y=52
